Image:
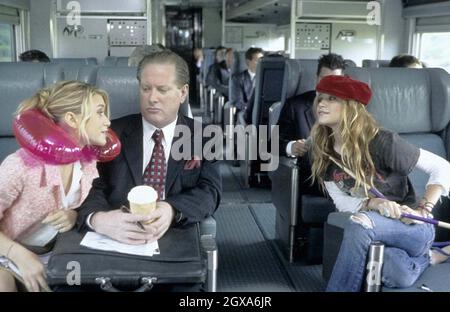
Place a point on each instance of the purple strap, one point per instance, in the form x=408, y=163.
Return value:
x=427, y=220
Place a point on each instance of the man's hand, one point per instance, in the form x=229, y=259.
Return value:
x=299, y=148
x=160, y=220
x=62, y=220
x=122, y=226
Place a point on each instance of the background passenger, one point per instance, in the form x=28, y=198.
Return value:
x=35, y=56
x=405, y=60
x=37, y=198
x=346, y=136
x=219, y=73
x=297, y=116
x=243, y=83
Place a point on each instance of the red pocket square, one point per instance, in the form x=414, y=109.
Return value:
x=195, y=162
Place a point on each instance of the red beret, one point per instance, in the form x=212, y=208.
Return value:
x=345, y=88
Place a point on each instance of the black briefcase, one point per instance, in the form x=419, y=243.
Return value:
x=179, y=261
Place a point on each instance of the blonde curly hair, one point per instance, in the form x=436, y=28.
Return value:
x=357, y=129
x=64, y=97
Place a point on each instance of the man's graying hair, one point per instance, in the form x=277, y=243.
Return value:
x=167, y=57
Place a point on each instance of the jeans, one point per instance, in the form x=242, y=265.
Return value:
x=405, y=257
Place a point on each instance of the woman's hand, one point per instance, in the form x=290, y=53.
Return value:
x=30, y=267
x=419, y=212
x=62, y=220
x=387, y=208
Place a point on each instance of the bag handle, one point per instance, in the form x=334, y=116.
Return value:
x=106, y=285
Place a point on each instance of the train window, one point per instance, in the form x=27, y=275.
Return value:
x=434, y=49
x=6, y=43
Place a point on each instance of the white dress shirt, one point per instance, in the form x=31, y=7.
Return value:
x=252, y=75
x=148, y=145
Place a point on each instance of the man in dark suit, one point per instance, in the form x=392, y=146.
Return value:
x=297, y=117
x=189, y=189
x=219, y=73
x=243, y=84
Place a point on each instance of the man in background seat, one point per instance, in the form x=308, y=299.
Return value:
x=405, y=60
x=35, y=56
x=297, y=118
x=219, y=73
x=243, y=83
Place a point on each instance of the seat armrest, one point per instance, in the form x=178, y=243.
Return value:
x=274, y=114
x=210, y=252
x=285, y=186
x=208, y=227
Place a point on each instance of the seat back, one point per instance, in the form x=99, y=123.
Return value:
x=291, y=87
x=268, y=87
x=375, y=63
x=239, y=63
x=414, y=103
x=19, y=81
x=299, y=77
x=120, y=61
x=71, y=65
x=87, y=74
x=122, y=87
x=208, y=60
x=349, y=63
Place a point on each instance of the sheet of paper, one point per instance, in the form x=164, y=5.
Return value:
x=97, y=241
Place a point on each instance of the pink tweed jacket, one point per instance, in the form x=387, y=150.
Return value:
x=30, y=190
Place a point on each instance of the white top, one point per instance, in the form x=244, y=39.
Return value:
x=435, y=166
x=42, y=234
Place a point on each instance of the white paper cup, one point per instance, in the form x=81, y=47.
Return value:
x=142, y=199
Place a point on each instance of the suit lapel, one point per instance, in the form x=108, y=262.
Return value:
x=309, y=114
x=174, y=167
x=133, y=149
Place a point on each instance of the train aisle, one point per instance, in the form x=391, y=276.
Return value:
x=248, y=257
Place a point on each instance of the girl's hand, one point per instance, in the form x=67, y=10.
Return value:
x=30, y=267
x=387, y=208
x=419, y=212
x=62, y=220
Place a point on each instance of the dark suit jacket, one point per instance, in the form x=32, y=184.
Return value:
x=241, y=89
x=296, y=119
x=218, y=77
x=196, y=193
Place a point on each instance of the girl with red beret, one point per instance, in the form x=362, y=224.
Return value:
x=351, y=155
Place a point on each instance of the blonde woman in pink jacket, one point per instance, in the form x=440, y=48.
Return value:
x=38, y=198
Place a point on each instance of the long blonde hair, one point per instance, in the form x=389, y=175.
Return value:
x=357, y=129
x=64, y=97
